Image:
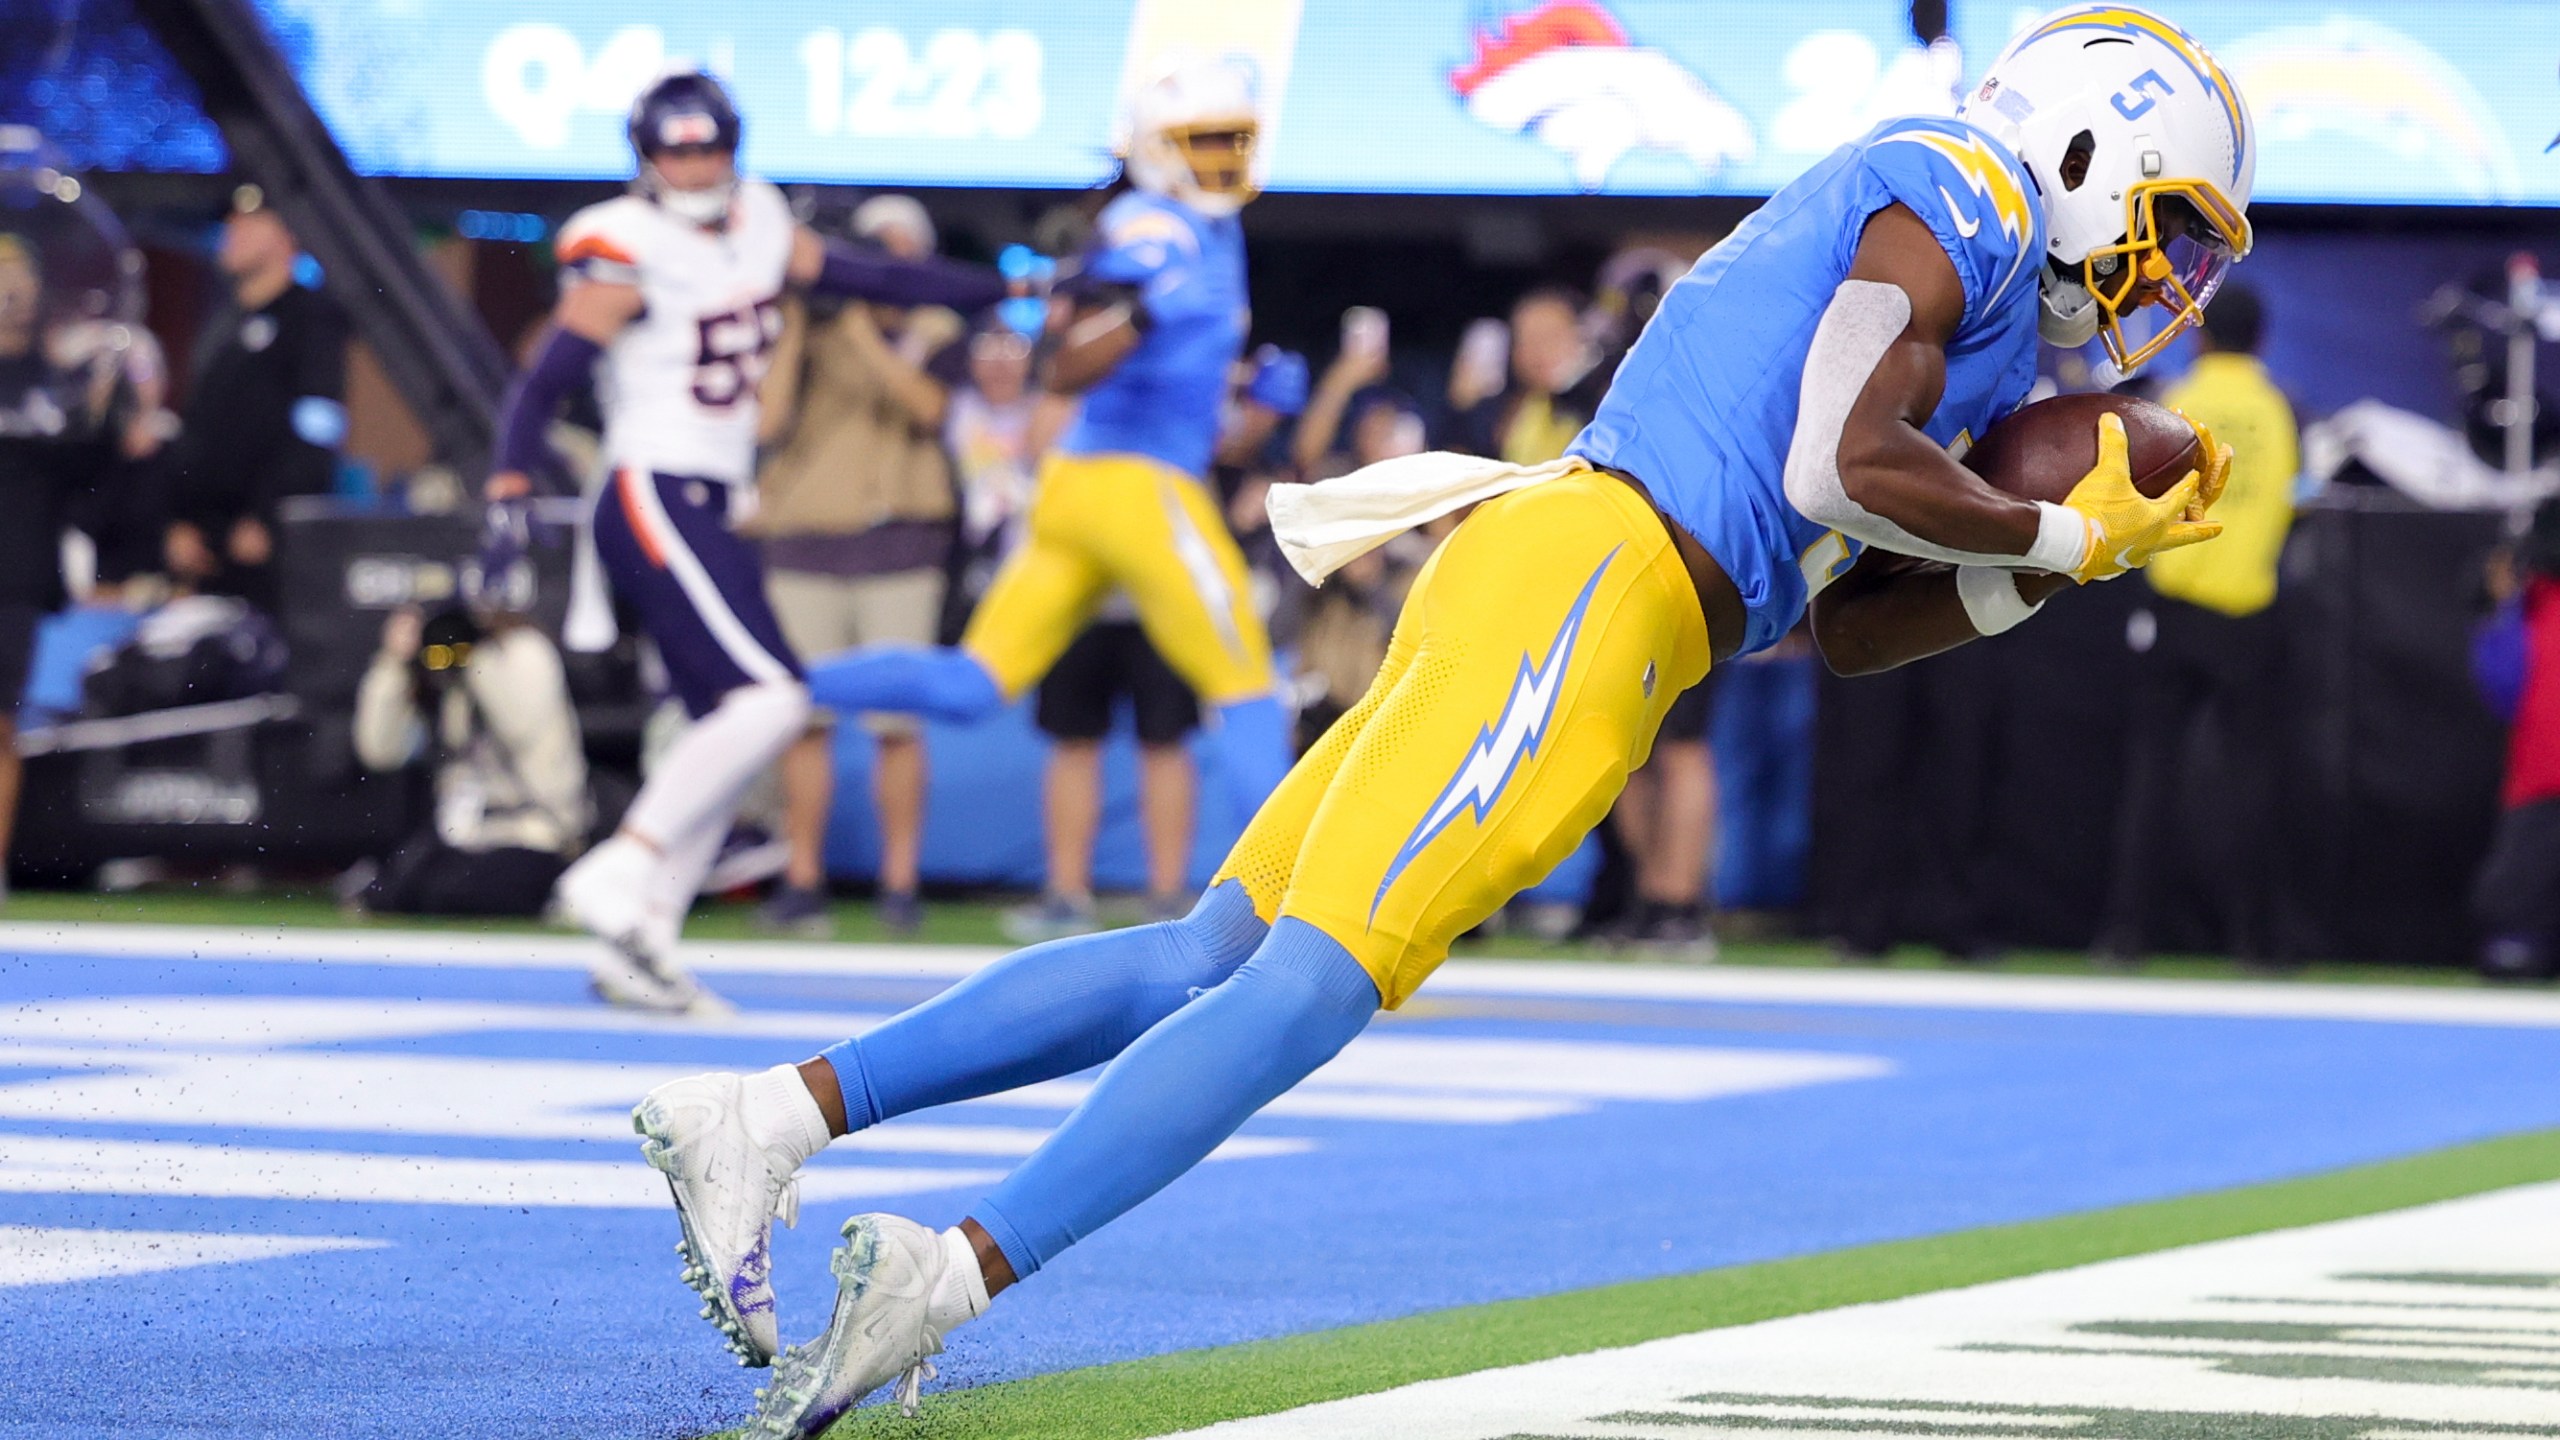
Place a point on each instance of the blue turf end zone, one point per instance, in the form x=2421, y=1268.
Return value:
x=1492, y=1145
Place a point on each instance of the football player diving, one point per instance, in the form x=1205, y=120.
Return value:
x=670, y=304
x=1778, y=440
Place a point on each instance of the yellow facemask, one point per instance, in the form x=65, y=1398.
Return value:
x=2180, y=272
x=1220, y=154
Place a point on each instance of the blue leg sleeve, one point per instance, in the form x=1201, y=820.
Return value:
x=936, y=680
x=1183, y=1087
x=1044, y=1012
x=1251, y=745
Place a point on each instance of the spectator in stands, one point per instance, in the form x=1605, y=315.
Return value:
x=1348, y=622
x=265, y=413
x=995, y=428
x=2516, y=896
x=2208, y=647
x=479, y=694
x=117, y=510
x=1270, y=392
x=857, y=521
x=1110, y=661
x=1360, y=363
x=67, y=401
x=1550, y=397
x=31, y=480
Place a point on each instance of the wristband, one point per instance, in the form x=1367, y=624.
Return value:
x=1991, y=599
x=2062, y=539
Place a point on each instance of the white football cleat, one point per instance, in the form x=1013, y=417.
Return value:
x=885, y=1276
x=606, y=894
x=728, y=1189
x=642, y=982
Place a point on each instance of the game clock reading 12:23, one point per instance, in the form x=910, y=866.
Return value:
x=2382, y=101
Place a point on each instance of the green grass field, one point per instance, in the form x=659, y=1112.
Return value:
x=1184, y=1391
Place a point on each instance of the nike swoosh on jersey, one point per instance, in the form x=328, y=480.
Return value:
x=1966, y=225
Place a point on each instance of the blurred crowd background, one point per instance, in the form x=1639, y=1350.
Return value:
x=260, y=637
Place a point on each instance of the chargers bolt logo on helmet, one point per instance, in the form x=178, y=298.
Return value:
x=688, y=112
x=1194, y=135
x=2145, y=154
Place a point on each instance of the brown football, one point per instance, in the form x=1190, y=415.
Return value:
x=2043, y=449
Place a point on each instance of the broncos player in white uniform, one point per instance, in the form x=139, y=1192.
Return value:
x=671, y=302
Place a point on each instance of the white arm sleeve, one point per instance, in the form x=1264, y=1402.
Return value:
x=1863, y=320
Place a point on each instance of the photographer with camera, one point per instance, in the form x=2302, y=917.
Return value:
x=480, y=692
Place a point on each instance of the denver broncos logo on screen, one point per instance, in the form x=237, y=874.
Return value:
x=1500, y=747
x=1565, y=73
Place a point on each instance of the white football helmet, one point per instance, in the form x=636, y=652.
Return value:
x=1193, y=133
x=2160, y=212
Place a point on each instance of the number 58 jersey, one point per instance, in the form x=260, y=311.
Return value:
x=678, y=385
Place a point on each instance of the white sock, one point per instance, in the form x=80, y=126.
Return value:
x=960, y=1296
x=782, y=1115
x=698, y=780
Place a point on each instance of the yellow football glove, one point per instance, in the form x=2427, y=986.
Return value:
x=2126, y=527
x=2217, y=468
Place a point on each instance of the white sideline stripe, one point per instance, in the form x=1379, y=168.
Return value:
x=33, y=1164
x=41, y=1255
x=481, y=951
x=744, y=649
x=1742, y=985
x=264, y=1022
x=1948, y=1359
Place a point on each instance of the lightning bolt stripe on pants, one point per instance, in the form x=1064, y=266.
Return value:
x=1500, y=747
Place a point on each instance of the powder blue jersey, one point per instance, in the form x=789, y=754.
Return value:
x=1164, y=399
x=1703, y=408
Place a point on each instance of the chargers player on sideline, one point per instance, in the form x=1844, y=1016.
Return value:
x=675, y=288
x=1794, y=402
x=1161, y=315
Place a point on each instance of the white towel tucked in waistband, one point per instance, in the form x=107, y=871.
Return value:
x=1325, y=526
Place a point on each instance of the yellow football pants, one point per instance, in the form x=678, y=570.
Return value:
x=1126, y=522
x=1529, y=671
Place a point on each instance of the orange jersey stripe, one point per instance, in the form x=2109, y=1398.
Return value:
x=623, y=481
x=596, y=247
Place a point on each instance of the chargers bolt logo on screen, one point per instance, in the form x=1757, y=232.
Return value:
x=2415, y=123
x=1565, y=74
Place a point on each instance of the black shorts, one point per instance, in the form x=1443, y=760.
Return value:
x=1110, y=659
x=1688, y=716
x=18, y=622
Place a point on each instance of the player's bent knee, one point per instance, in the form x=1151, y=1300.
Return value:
x=1221, y=931
x=781, y=701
